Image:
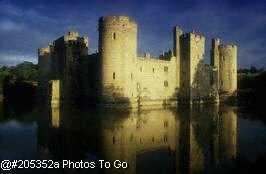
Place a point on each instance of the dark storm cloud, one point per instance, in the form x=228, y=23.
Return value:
x=27, y=25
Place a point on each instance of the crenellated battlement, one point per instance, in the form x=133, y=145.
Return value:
x=193, y=35
x=122, y=21
x=72, y=35
x=86, y=40
x=197, y=36
x=227, y=49
x=229, y=46
x=43, y=51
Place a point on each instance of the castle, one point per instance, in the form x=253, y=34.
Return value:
x=115, y=74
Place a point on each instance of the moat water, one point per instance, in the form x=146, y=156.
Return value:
x=203, y=139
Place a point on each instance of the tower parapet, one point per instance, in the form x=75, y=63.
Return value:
x=43, y=51
x=120, y=21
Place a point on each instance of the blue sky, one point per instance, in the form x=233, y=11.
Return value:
x=26, y=25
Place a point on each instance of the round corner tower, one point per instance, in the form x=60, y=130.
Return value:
x=228, y=69
x=117, y=51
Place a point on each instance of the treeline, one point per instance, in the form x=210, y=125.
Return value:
x=251, y=70
x=252, y=88
x=251, y=95
x=26, y=71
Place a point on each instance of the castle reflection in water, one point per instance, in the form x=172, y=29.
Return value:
x=186, y=140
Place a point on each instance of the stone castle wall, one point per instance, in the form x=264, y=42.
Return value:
x=116, y=74
x=155, y=79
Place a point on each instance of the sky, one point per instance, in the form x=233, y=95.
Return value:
x=26, y=25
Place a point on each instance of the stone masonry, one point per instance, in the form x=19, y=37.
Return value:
x=116, y=75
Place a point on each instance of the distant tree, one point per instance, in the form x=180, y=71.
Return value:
x=24, y=71
x=261, y=70
x=4, y=71
x=243, y=70
x=253, y=69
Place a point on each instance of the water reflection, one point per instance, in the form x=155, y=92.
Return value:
x=184, y=140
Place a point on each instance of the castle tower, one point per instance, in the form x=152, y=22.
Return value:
x=44, y=62
x=64, y=61
x=117, y=51
x=215, y=56
x=215, y=52
x=228, y=69
x=44, y=71
x=177, y=33
x=191, y=64
x=70, y=52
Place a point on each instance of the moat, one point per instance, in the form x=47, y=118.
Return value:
x=208, y=139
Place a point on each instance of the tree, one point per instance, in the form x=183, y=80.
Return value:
x=253, y=69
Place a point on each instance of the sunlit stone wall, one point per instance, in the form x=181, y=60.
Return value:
x=228, y=69
x=115, y=74
x=198, y=82
x=117, y=51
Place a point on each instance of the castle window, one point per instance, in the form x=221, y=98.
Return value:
x=153, y=70
x=131, y=76
x=113, y=139
x=223, y=58
x=113, y=75
x=114, y=35
x=165, y=124
x=165, y=139
x=166, y=83
x=211, y=80
x=140, y=69
x=166, y=69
